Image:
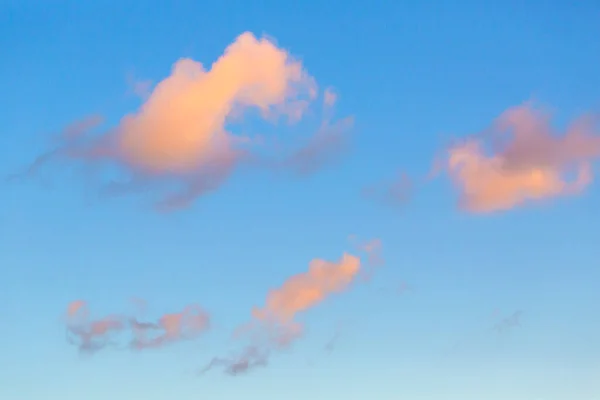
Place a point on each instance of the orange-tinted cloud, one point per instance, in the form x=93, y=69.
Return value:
x=274, y=326
x=373, y=248
x=90, y=335
x=523, y=159
x=185, y=325
x=305, y=290
x=180, y=133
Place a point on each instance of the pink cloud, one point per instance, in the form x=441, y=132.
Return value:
x=329, y=97
x=274, y=326
x=523, y=160
x=91, y=335
x=180, y=138
x=373, y=249
x=185, y=325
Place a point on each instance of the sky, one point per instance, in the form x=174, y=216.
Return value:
x=228, y=200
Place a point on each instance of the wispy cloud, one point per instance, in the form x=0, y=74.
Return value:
x=398, y=288
x=373, y=249
x=333, y=341
x=91, y=335
x=395, y=193
x=185, y=325
x=329, y=143
x=141, y=88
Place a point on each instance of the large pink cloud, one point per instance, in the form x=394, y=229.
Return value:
x=522, y=159
x=181, y=133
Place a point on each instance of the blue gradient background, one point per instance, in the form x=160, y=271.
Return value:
x=413, y=76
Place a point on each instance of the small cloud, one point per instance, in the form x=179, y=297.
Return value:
x=252, y=357
x=510, y=322
x=373, y=249
x=139, y=88
x=323, y=149
x=329, y=98
x=91, y=335
x=403, y=288
x=394, y=194
x=304, y=291
x=185, y=325
x=399, y=289
x=332, y=343
x=521, y=160
x=274, y=326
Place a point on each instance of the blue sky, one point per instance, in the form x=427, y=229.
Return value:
x=412, y=76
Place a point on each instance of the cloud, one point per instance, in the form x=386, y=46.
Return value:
x=398, y=288
x=502, y=326
x=274, y=326
x=305, y=290
x=373, y=249
x=185, y=325
x=506, y=323
x=91, y=335
x=329, y=97
x=395, y=194
x=322, y=149
x=252, y=357
x=332, y=342
x=523, y=160
x=139, y=88
x=403, y=288
x=179, y=139
x=277, y=318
